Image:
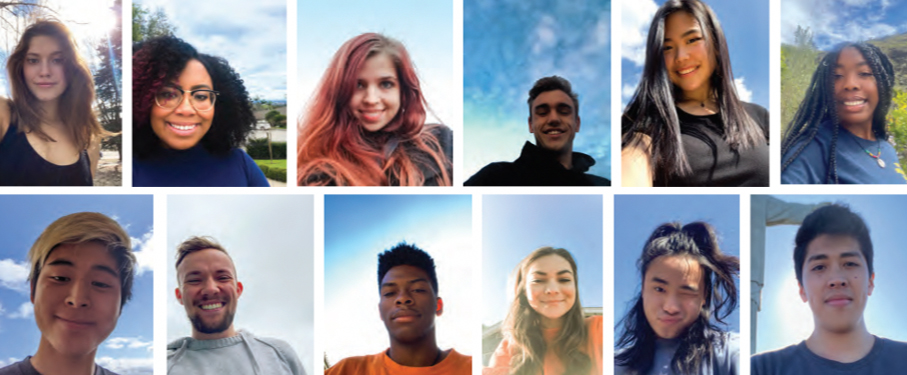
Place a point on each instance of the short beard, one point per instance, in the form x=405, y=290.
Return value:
x=201, y=327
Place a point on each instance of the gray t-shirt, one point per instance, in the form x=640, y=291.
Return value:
x=885, y=357
x=243, y=354
x=24, y=367
x=725, y=359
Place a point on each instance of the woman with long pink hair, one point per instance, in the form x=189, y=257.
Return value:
x=365, y=125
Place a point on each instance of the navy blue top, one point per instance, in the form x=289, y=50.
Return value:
x=197, y=167
x=854, y=165
x=20, y=165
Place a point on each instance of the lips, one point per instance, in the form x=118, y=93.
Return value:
x=212, y=306
x=405, y=316
x=183, y=129
x=45, y=84
x=687, y=71
x=75, y=323
x=371, y=115
x=838, y=300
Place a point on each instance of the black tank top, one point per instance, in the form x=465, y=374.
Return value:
x=20, y=165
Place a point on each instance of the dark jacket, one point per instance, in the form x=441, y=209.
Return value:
x=538, y=167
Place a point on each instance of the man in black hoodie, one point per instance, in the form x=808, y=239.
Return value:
x=554, y=119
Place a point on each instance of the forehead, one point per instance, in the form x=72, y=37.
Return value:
x=404, y=273
x=675, y=269
x=194, y=74
x=206, y=261
x=43, y=44
x=680, y=22
x=832, y=245
x=549, y=264
x=378, y=66
x=552, y=98
x=849, y=57
x=83, y=255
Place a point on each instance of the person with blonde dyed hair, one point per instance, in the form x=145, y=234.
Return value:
x=82, y=268
x=209, y=291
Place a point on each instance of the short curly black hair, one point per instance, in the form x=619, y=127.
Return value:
x=161, y=59
x=404, y=254
x=837, y=220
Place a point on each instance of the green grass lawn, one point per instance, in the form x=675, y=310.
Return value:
x=282, y=163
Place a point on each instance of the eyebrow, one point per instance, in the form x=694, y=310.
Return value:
x=688, y=32
x=859, y=64
x=561, y=272
x=98, y=267
x=849, y=254
x=413, y=281
x=38, y=54
x=659, y=280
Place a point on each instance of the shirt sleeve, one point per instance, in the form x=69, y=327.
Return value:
x=808, y=167
x=254, y=175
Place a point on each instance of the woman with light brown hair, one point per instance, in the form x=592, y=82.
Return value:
x=49, y=133
x=545, y=331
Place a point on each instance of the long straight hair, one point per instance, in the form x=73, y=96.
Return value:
x=335, y=148
x=637, y=338
x=523, y=327
x=75, y=104
x=652, y=111
x=818, y=108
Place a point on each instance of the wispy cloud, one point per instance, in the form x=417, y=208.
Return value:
x=745, y=94
x=14, y=275
x=25, y=311
x=834, y=22
x=635, y=21
x=127, y=366
x=143, y=248
x=127, y=342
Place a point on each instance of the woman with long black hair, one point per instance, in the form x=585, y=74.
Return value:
x=838, y=135
x=686, y=125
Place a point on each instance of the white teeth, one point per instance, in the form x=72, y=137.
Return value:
x=212, y=306
x=183, y=127
x=685, y=71
x=555, y=132
x=856, y=102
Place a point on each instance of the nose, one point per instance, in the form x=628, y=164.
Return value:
x=671, y=305
x=371, y=95
x=209, y=288
x=551, y=288
x=850, y=82
x=44, y=69
x=837, y=279
x=78, y=295
x=681, y=53
x=185, y=107
x=404, y=298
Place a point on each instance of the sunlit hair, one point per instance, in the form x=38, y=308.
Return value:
x=334, y=148
x=698, y=241
x=652, y=111
x=80, y=228
x=198, y=243
x=75, y=104
x=523, y=326
x=819, y=109
x=160, y=60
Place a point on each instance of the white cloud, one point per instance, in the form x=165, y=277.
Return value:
x=25, y=311
x=545, y=34
x=143, y=248
x=635, y=22
x=14, y=275
x=832, y=22
x=127, y=366
x=627, y=91
x=127, y=342
x=743, y=93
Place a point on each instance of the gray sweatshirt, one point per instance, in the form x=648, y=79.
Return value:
x=243, y=354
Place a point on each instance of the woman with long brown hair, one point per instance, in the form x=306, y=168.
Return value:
x=49, y=134
x=545, y=331
x=366, y=124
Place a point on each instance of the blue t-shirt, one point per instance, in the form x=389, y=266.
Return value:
x=854, y=165
x=197, y=167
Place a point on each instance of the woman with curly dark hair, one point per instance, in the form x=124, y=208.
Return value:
x=49, y=134
x=190, y=115
x=366, y=123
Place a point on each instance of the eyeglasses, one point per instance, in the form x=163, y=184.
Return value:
x=171, y=97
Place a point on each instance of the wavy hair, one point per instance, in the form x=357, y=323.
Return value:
x=699, y=241
x=75, y=104
x=334, y=148
x=652, y=111
x=159, y=60
x=818, y=107
x=523, y=327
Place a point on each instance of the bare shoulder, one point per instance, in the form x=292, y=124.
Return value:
x=5, y=115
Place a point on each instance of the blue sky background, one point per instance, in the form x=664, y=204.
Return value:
x=746, y=28
x=271, y=241
x=515, y=225
x=636, y=216
x=837, y=21
x=507, y=46
x=251, y=35
x=424, y=27
x=359, y=227
x=128, y=349
x=785, y=319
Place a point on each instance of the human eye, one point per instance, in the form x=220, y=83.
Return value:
x=193, y=281
x=694, y=39
x=101, y=285
x=387, y=84
x=566, y=280
x=59, y=279
x=667, y=48
x=818, y=267
x=201, y=96
x=57, y=61
x=659, y=289
x=31, y=60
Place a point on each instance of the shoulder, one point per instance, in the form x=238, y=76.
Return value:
x=757, y=112
x=276, y=344
x=594, y=323
x=17, y=368
x=253, y=173
x=103, y=371
x=355, y=365
x=807, y=159
x=894, y=348
x=773, y=362
x=491, y=174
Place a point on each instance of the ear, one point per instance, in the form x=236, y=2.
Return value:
x=238, y=289
x=802, y=292
x=179, y=296
x=530, y=124
x=872, y=284
x=33, y=286
x=577, y=123
x=440, y=309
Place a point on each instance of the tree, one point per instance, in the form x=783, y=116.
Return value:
x=147, y=24
x=897, y=125
x=107, y=85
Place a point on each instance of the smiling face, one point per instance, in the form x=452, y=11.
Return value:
x=183, y=127
x=672, y=294
x=77, y=298
x=376, y=99
x=554, y=121
x=209, y=292
x=551, y=288
x=408, y=304
x=836, y=282
x=44, y=68
x=690, y=61
x=856, y=93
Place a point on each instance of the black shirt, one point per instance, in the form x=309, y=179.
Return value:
x=538, y=167
x=20, y=165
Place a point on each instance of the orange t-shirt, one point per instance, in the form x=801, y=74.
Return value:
x=380, y=364
x=500, y=361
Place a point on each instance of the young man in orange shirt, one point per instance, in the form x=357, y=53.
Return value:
x=408, y=305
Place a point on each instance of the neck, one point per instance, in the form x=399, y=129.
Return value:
x=49, y=361
x=846, y=347
x=229, y=332
x=548, y=323
x=863, y=130
x=49, y=110
x=703, y=94
x=421, y=353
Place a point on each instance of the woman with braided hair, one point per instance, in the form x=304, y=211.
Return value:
x=838, y=134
